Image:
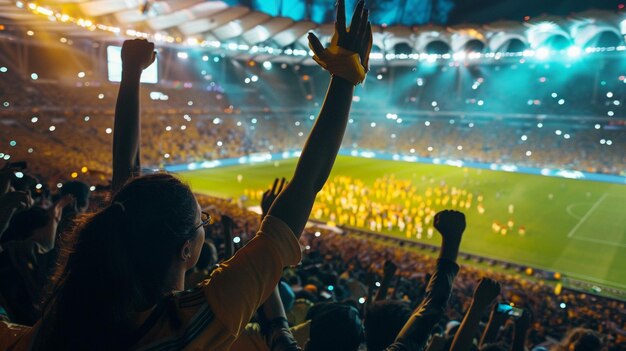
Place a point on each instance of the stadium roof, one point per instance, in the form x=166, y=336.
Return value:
x=271, y=27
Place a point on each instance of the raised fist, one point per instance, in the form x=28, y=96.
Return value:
x=486, y=291
x=450, y=223
x=137, y=54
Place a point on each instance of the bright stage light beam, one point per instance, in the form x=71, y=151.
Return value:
x=574, y=51
x=542, y=53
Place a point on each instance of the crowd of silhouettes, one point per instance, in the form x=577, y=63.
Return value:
x=149, y=265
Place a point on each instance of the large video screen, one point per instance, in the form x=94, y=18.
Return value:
x=114, y=60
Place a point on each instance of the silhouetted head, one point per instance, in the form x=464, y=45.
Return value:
x=383, y=322
x=581, y=339
x=80, y=192
x=120, y=261
x=334, y=327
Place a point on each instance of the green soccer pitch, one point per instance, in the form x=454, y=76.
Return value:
x=574, y=227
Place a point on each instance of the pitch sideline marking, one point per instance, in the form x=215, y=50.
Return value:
x=586, y=216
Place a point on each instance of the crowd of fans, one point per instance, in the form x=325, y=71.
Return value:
x=340, y=272
x=147, y=264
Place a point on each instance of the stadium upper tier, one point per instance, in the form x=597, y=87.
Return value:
x=268, y=30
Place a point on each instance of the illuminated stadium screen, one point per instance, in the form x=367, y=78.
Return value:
x=114, y=67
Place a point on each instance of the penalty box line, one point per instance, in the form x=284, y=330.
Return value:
x=586, y=216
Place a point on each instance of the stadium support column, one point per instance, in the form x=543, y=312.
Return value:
x=99, y=60
x=166, y=63
x=596, y=82
x=22, y=52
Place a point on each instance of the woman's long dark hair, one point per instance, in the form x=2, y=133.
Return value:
x=115, y=265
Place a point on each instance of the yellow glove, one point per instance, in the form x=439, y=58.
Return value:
x=341, y=62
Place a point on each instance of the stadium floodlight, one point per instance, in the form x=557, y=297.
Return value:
x=182, y=55
x=542, y=53
x=545, y=26
x=459, y=56
x=267, y=65
x=574, y=51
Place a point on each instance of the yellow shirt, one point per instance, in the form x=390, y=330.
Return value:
x=211, y=316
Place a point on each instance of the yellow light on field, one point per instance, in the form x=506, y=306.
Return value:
x=74, y=175
x=84, y=169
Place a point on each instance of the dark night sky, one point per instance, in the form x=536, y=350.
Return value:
x=486, y=11
x=418, y=12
